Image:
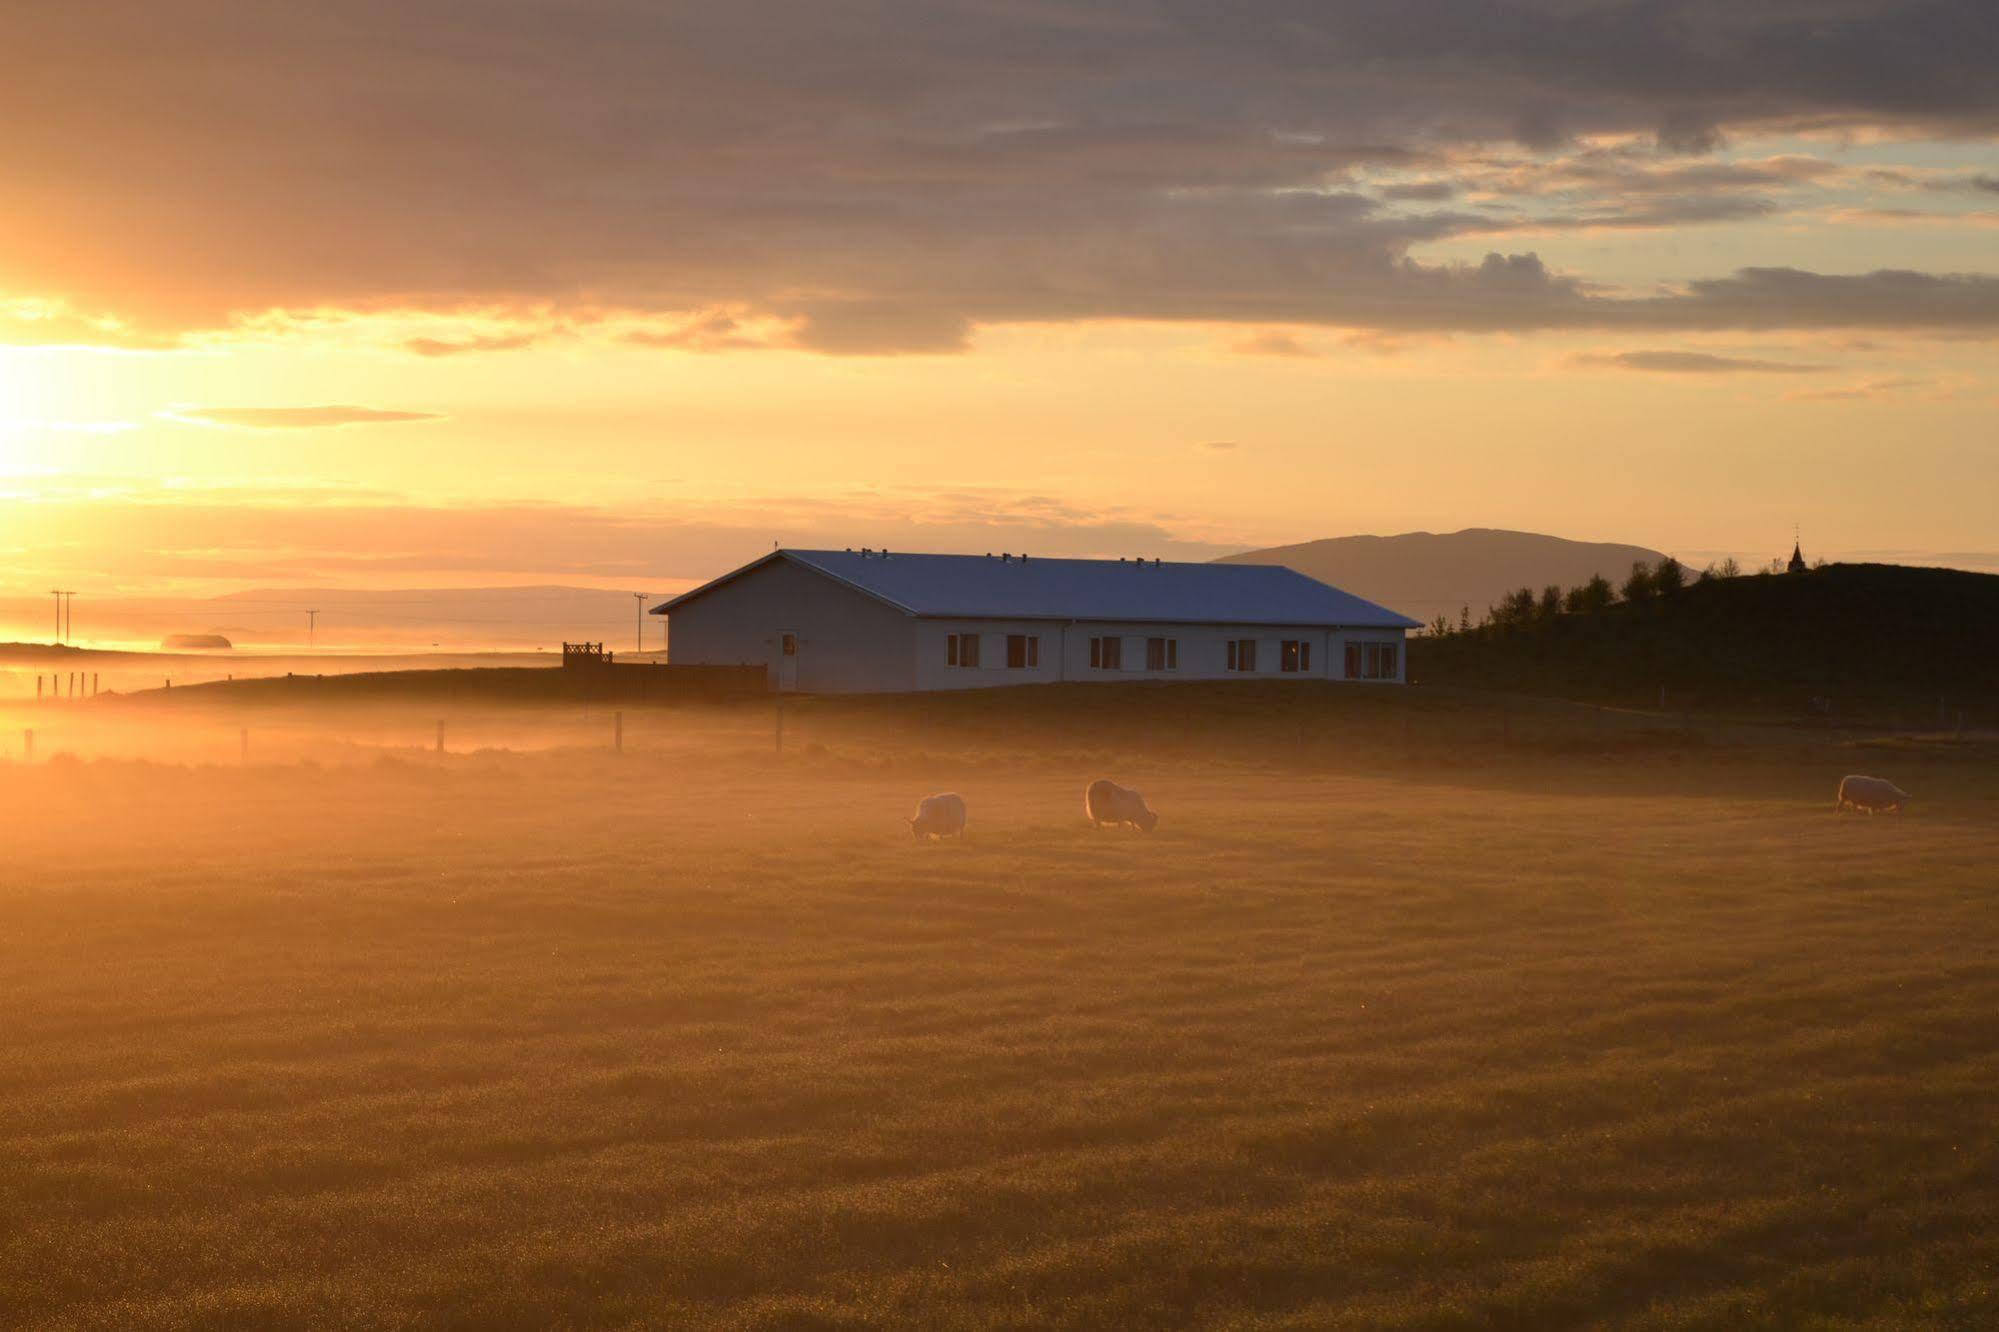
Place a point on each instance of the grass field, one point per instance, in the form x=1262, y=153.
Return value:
x=1411, y=1014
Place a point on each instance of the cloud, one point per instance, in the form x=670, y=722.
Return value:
x=1692, y=363
x=296, y=418
x=1426, y=191
x=1795, y=298
x=886, y=179
x=1913, y=217
x=1220, y=446
x=874, y=328
x=1873, y=390
x=706, y=331
x=460, y=346
x=1272, y=343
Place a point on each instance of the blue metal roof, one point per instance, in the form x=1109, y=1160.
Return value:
x=1018, y=588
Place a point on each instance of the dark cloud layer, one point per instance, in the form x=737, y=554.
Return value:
x=884, y=177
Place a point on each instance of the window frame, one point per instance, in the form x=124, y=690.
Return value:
x=1372, y=659
x=1242, y=656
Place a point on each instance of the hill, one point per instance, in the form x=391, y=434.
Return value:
x=1849, y=640
x=1426, y=574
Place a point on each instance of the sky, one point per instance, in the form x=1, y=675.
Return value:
x=617, y=293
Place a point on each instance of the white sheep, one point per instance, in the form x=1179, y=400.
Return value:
x=1106, y=802
x=941, y=815
x=1870, y=794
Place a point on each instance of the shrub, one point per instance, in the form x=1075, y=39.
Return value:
x=1638, y=588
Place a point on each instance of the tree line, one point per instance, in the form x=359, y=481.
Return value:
x=1526, y=608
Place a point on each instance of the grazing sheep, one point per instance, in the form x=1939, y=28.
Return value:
x=940, y=815
x=1119, y=806
x=1870, y=794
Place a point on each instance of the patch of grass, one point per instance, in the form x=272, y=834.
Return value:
x=1360, y=1038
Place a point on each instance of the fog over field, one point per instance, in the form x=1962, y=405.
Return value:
x=1419, y=1009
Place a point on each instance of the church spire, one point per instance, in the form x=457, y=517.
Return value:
x=1797, y=564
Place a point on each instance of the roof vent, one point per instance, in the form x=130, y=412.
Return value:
x=864, y=552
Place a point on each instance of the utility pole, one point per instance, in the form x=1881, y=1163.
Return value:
x=69, y=616
x=639, y=623
x=58, y=596
x=312, y=628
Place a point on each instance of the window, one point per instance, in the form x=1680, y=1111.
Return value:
x=1162, y=654
x=1107, y=654
x=1372, y=661
x=1295, y=655
x=961, y=649
x=1023, y=651
x=1242, y=654
x=788, y=645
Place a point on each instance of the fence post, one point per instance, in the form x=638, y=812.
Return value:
x=38, y=686
x=618, y=732
x=93, y=684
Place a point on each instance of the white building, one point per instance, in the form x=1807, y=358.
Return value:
x=868, y=621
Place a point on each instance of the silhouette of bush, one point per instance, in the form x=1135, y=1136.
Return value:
x=1638, y=588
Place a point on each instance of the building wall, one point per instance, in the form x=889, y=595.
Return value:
x=1064, y=652
x=848, y=642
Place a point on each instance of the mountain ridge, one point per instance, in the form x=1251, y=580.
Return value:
x=1426, y=574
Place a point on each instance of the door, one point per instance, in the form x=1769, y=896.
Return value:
x=787, y=662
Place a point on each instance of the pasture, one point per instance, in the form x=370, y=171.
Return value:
x=1408, y=1015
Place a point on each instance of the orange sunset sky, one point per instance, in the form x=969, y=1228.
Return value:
x=614, y=294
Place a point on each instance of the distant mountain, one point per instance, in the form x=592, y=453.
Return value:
x=1426, y=574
